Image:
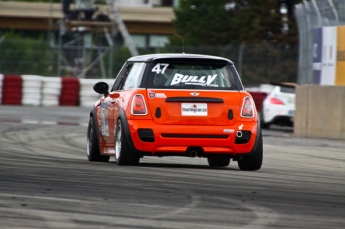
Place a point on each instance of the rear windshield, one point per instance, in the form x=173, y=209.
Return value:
x=174, y=75
x=287, y=89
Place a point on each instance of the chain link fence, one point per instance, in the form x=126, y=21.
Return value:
x=256, y=64
x=310, y=15
x=27, y=56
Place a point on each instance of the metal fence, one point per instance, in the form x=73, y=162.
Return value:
x=310, y=15
x=27, y=56
x=256, y=64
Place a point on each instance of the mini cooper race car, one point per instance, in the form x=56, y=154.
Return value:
x=176, y=105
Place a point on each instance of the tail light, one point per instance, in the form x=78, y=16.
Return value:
x=247, y=108
x=138, y=105
x=276, y=101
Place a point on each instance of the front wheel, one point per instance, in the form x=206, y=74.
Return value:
x=254, y=160
x=123, y=154
x=92, y=149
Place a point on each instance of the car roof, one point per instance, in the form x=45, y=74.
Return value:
x=152, y=57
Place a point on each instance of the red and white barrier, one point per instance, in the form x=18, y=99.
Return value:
x=88, y=96
x=69, y=95
x=51, y=89
x=31, y=91
x=12, y=90
x=34, y=90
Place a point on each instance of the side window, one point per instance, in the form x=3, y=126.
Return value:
x=134, y=77
x=120, y=80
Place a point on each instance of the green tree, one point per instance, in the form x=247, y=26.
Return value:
x=261, y=40
x=224, y=22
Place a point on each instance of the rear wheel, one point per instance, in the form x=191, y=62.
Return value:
x=123, y=154
x=218, y=161
x=254, y=160
x=92, y=149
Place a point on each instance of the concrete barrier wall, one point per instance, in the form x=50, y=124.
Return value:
x=320, y=112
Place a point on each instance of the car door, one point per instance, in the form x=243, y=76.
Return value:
x=105, y=114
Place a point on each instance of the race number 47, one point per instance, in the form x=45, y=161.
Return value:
x=160, y=68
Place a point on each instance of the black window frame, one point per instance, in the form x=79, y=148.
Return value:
x=236, y=83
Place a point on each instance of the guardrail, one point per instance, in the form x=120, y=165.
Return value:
x=35, y=90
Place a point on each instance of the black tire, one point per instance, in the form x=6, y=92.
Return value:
x=123, y=154
x=92, y=148
x=218, y=161
x=254, y=160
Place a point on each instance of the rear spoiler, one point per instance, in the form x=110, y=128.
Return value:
x=284, y=84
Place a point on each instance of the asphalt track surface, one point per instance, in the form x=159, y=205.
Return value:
x=47, y=182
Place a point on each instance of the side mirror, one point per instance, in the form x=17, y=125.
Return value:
x=101, y=88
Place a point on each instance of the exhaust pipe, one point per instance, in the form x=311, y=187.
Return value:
x=193, y=153
x=239, y=134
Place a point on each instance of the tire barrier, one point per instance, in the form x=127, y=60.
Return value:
x=34, y=90
x=88, y=96
x=51, y=89
x=31, y=91
x=69, y=95
x=12, y=90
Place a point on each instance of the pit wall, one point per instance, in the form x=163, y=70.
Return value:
x=34, y=90
x=320, y=112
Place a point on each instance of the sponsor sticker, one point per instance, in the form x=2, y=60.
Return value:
x=156, y=95
x=194, y=109
x=151, y=94
x=160, y=95
x=109, y=150
x=194, y=80
x=160, y=68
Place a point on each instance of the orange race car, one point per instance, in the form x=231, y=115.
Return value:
x=176, y=105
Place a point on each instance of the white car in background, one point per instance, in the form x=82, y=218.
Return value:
x=278, y=107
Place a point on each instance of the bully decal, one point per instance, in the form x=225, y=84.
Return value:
x=194, y=80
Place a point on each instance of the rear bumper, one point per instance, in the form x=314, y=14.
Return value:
x=275, y=113
x=178, y=139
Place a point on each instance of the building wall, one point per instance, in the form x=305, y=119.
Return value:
x=45, y=16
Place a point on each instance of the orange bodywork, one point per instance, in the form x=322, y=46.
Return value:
x=174, y=132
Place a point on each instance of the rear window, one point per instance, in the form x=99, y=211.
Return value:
x=290, y=90
x=175, y=75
